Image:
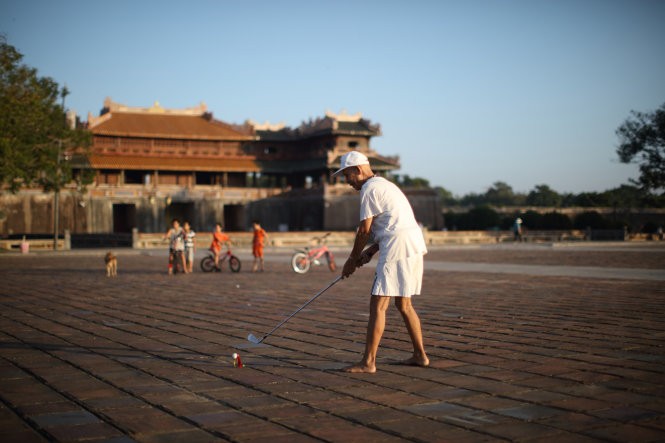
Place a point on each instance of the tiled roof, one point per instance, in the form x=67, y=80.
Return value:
x=376, y=161
x=276, y=136
x=168, y=126
x=173, y=163
x=361, y=126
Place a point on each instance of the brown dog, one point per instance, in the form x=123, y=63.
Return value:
x=111, y=264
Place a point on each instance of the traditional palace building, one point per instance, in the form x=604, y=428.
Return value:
x=153, y=164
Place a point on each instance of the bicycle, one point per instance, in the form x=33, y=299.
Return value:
x=304, y=258
x=208, y=262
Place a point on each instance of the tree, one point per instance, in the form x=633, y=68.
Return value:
x=543, y=195
x=404, y=181
x=556, y=220
x=642, y=141
x=501, y=194
x=34, y=136
x=445, y=196
x=590, y=219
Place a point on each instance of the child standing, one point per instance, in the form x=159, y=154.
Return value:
x=176, y=238
x=257, y=245
x=190, y=247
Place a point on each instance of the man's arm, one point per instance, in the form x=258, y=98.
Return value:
x=362, y=236
x=367, y=254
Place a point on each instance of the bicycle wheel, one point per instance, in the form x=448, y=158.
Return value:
x=234, y=264
x=331, y=262
x=300, y=263
x=208, y=264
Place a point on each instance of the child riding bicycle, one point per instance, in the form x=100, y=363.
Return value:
x=219, y=238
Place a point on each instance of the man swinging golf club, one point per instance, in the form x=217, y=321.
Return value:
x=386, y=213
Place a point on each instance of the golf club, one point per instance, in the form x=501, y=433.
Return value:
x=255, y=340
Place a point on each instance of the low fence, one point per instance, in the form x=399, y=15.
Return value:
x=142, y=240
x=33, y=242
x=434, y=238
x=244, y=239
x=111, y=240
x=471, y=237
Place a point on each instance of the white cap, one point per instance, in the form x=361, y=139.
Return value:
x=353, y=158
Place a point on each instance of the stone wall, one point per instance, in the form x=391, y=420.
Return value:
x=329, y=208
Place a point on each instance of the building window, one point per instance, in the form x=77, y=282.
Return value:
x=352, y=144
x=137, y=177
x=206, y=178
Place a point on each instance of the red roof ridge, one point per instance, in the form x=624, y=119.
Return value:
x=114, y=107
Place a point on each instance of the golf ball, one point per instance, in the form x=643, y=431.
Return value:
x=234, y=356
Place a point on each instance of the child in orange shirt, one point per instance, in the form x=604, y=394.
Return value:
x=257, y=245
x=218, y=237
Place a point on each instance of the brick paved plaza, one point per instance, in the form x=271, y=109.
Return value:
x=528, y=343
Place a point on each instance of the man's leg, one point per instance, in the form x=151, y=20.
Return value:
x=412, y=322
x=375, y=326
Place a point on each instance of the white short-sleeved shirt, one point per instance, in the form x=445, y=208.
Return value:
x=394, y=227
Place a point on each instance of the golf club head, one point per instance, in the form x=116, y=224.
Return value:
x=253, y=339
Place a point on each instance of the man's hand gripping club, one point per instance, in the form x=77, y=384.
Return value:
x=358, y=257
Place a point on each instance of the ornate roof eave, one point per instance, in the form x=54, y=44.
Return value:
x=175, y=136
x=171, y=163
x=376, y=161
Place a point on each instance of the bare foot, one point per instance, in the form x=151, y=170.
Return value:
x=360, y=368
x=416, y=361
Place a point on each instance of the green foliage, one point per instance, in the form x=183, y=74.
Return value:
x=543, y=195
x=590, y=219
x=478, y=218
x=501, y=194
x=445, y=196
x=556, y=220
x=642, y=141
x=405, y=181
x=625, y=196
x=34, y=136
x=532, y=220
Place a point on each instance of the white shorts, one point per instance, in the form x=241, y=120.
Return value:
x=402, y=278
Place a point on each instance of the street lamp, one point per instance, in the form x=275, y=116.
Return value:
x=56, y=197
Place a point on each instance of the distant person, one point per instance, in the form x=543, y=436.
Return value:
x=190, y=246
x=258, y=243
x=176, y=238
x=386, y=213
x=517, y=229
x=219, y=238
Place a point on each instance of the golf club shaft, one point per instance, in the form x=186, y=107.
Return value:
x=301, y=308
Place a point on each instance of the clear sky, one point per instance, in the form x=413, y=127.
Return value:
x=467, y=92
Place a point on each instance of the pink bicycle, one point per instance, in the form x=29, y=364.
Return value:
x=304, y=258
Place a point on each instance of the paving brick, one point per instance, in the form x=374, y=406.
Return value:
x=626, y=432
x=69, y=418
x=79, y=432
